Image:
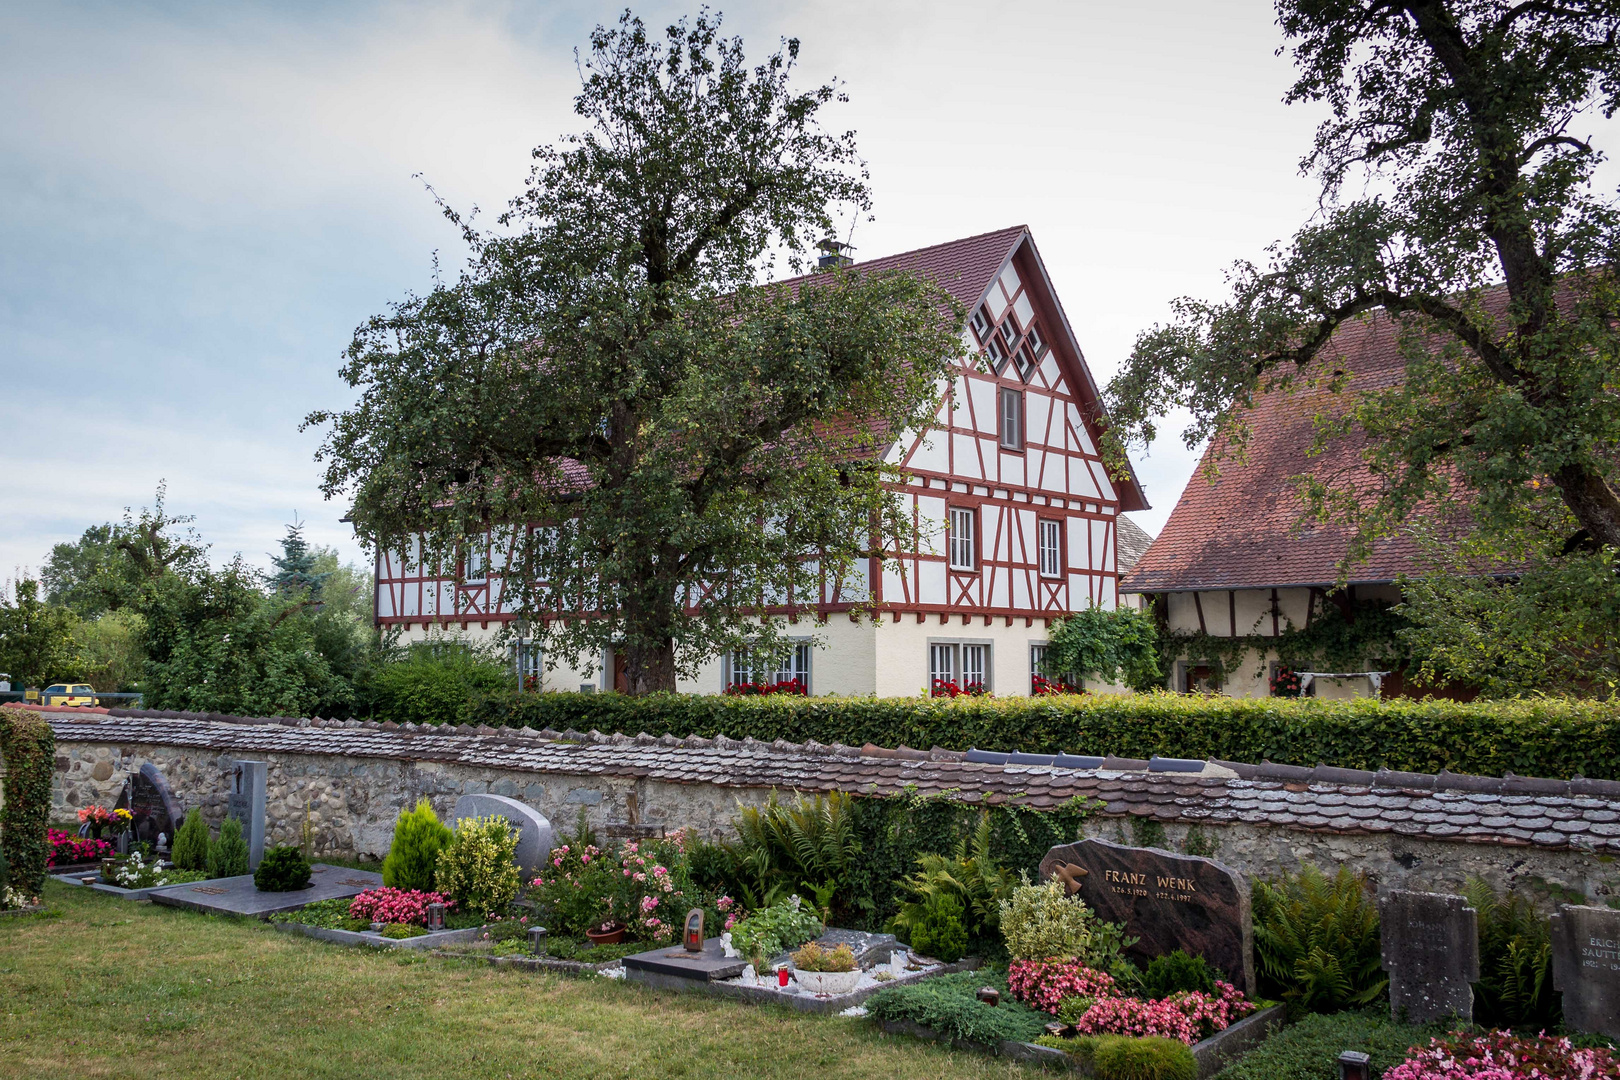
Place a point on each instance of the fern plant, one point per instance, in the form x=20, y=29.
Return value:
x=809, y=846
x=1316, y=940
x=972, y=877
x=1515, y=987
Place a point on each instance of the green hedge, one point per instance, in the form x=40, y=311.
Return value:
x=28, y=747
x=1550, y=737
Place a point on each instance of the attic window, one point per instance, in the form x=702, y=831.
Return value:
x=1009, y=331
x=997, y=355
x=1036, y=345
x=1026, y=362
x=981, y=324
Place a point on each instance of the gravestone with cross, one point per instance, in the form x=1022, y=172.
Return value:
x=246, y=805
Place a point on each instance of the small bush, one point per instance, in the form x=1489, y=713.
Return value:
x=28, y=748
x=1043, y=922
x=436, y=682
x=413, y=855
x=1143, y=1059
x=947, y=1004
x=228, y=855
x=1316, y=941
x=771, y=932
x=940, y=933
x=283, y=869
x=1176, y=971
x=191, y=841
x=814, y=958
x=477, y=870
x=401, y=930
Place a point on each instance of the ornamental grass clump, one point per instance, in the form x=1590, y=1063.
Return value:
x=477, y=869
x=413, y=855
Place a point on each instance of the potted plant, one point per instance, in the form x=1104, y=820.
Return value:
x=826, y=971
x=609, y=933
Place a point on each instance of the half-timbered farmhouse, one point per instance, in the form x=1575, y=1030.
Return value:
x=1018, y=521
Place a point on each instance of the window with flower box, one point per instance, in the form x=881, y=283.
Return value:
x=757, y=673
x=958, y=667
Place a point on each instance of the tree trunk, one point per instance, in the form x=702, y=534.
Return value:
x=649, y=668
x=1592, y=501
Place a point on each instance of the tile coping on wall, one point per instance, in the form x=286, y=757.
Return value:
x=1577, y=814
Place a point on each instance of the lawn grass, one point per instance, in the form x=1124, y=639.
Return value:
x=102, y=986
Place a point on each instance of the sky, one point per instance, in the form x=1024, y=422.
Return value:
x=200, y=202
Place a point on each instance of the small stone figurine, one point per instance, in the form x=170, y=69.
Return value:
x=693, y=937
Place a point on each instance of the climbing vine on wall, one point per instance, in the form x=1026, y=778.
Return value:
x=1350, y=638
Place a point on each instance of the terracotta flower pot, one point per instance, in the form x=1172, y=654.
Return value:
x=606, y=937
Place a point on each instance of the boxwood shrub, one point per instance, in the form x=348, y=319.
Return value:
x=28, y=748
x=1549, y=737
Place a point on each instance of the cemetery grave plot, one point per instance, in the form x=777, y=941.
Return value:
x=240, y=896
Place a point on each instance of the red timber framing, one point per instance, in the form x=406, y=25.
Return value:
x=1051, y=472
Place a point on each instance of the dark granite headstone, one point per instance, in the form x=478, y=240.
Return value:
x=1586, y=967
x=156, y=811
x=1431, y=952
x=246, y=804
x=1166, y=901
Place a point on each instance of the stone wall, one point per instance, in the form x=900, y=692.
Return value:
x=352, y=802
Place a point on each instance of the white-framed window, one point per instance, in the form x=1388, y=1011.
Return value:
x=997, y=355
x=1051, y=547
x=1026, y=362
x=975, y=665
x=963, y=537
x=1041, y=682
x=1036, y=344
x=743, y=667
x=477, y=565
x=1011, y=423
x=1009, y=330
x=956, y=667
x=981, y=323
x=529, y=661
x=1037, y=665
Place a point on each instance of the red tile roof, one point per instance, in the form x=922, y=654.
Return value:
x=1239, y=531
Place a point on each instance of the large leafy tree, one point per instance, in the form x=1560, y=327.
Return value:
x=104, y=569
x=37, y=643
x=609, y=387
x=1458, y=125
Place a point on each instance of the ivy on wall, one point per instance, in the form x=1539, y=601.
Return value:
x=1362, y=633
x=28, y=748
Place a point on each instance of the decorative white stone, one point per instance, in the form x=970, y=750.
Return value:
x=534, y=831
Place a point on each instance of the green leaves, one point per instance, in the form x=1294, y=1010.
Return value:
x=688, y=446
x=1316, y=940
x=1118, y=646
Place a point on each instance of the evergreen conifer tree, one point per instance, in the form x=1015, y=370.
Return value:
x=228, y=856
x=191, y=842
x=295, y=566
x=419, y=836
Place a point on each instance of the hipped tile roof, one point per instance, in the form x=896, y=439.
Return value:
x=1512, y=811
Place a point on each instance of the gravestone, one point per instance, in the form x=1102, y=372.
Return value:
x=1431, y=952
x=1586, y=967
x=534, y=831
x=155, y=810
x=246, y=804
x=1166, y=901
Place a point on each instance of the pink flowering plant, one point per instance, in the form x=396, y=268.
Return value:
x=1502, y=1055
x=643, y=885
x=1094, y=1001
x=396, y=905
x=67, y=849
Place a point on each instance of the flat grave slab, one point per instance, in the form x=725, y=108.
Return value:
x=239, y=896
x=430, y=940
x=673, y=961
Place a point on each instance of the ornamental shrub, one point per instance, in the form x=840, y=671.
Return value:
x=28, y=748
x=477, y=869
x=1043, y=922
x=1502, y=1055
x=773, y=931
x=191, y=841
x=419, y=836
x=1177, y=971
x=940, y=933
x=1143, y=1059
x=283, y=869
x=1553, y=737
x=228, y=855
x=1316, y=941
x=947, y=1004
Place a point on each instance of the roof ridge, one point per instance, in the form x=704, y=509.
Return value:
x=912, y=251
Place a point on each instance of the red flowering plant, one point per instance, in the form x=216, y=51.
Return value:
x=761, y=689
x=643, y=886
x=67, y=849
x=1044, y=984
x=396, y=905
x=1041, y=685
x=950, y=688
x=1071, y=989
x=1285, y=682
x=1502, y=1055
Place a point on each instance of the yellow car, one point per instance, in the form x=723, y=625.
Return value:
x=68, y=694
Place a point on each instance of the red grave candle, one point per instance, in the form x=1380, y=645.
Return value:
x=781, y=976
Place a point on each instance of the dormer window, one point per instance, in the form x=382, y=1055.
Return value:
x=1036, y=345
x=981, y=324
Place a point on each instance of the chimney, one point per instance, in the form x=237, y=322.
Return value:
x=833, y=254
